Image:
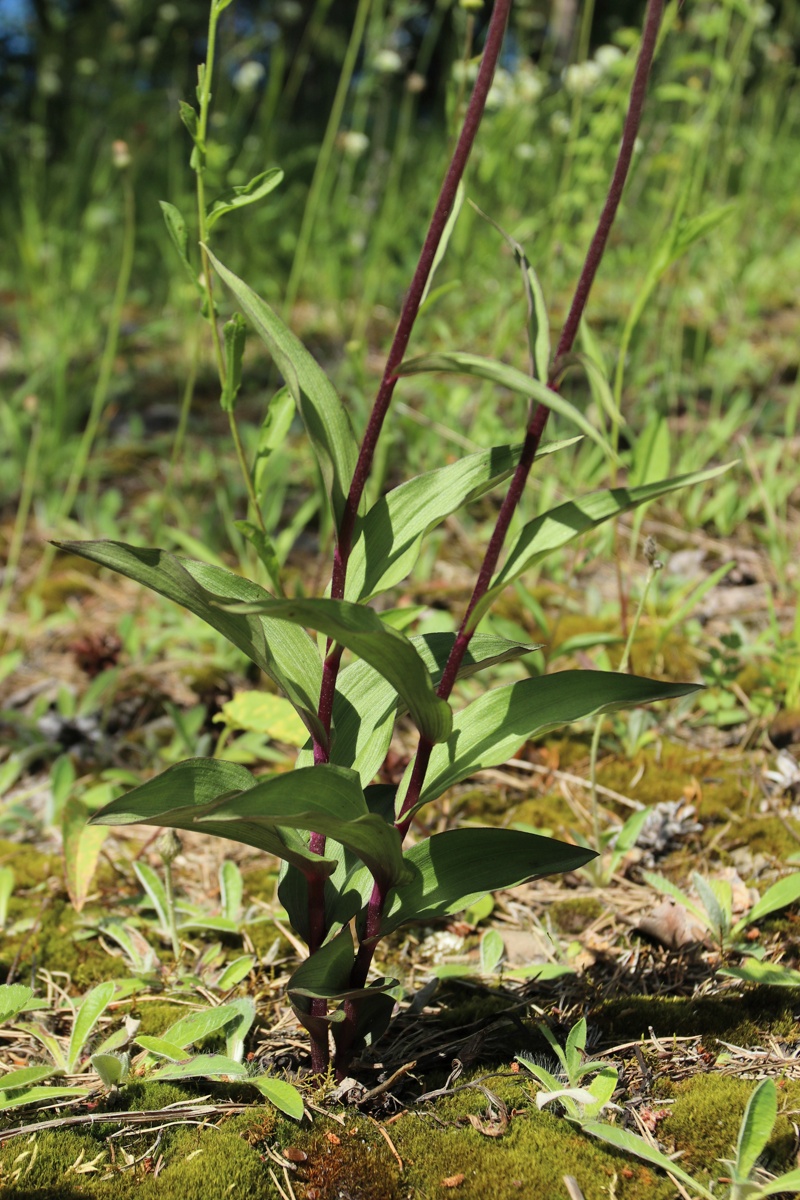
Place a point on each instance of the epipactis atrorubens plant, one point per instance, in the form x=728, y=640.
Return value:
x=340, y=836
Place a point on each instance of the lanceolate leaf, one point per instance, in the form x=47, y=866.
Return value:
x=282, y=651
x=757, y=1123
x=324, y=799
x=36, y=1095
x=556, y=528
x=492, y=728
x=391, y=533
x=82, y=846
x=94, y=1004
x=280, y=1093
x=248, y=193
x=326, y=421
x=203, y=1066
x=456, y=362
x=451, y=869
x=187, y=791
x=387, y=650
x=630, y=1143
x=784, y=892
x=366, y=704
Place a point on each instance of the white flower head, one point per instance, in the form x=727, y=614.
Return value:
x=580, y=78
x=528, y=84
x=249, y=76
x=387, y=62
x=169, y=13
x=606, y=56
x=353, y=143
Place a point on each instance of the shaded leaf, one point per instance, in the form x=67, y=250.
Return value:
x=14, y=997
x=186, y=792
x=451, y=869
x=756, y=1127
x=387, y=650
x=325, y=799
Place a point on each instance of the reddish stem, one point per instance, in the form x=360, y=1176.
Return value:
x=531, y=444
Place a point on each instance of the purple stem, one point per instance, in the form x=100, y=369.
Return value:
x=405, y=325
x=531, y=444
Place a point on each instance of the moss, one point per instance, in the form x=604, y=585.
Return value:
x=209, y=1165
x=742, y=1018
x=704, y=1123
x=157, y=1016
x=574, y=914
x=31, y=868
x=530, y=1159
x=146, y=1097
x=260, y=884
x=42, y=1166
x=53, y=946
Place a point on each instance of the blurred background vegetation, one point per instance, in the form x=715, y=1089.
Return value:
x=695, y=313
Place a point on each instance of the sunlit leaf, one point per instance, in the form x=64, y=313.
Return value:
x=326, y=421
x=492, y=728
x=82, y=846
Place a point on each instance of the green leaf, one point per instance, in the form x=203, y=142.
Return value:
x=390, y=536
x=753, y=970
x=82, y=846
x=231, y=890
x=243, y=194
x=574, y=1048
x=262, y=712
x=668, y=888
x=94, y=1004
x=651, y=453
x=187, y=791
x=780, y=895
x=234, y=333
x=556, y=528
x=281, y=650
x=39, y=1094
x=451, y=869
x=444, y=240
x=492, y=728
x=154, y=887
x=198, y=1025
x=492, y=949
x=14, y=997
x=509, y=377
x=280, y=1093
x=373, y=1015
x=784, y=1184
x=324, y=799
x=112, y=1068
x=27, y=1076
x=387, y=650
x=189, y=118
x=365, y=705
x=265, y=549
x=326, y=421
x=602, y=1088
x=203, y=1066
x=631, y=1143
x=162, y=1047
x=176, y=228
x=236, y=971
x=757, y=1124
x=715, y=901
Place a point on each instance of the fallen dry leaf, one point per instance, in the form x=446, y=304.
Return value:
x=333, y=1139
x=453, y=1181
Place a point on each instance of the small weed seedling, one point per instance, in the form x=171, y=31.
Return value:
x=714, y=909
x=340, y=836
x=581, y=1101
